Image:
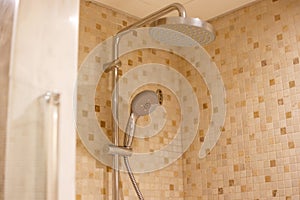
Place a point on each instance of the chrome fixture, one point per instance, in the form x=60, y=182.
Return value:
x=142, y=104
x=176, y=30
x=184, y=31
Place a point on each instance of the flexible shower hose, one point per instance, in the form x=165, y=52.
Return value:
x=133, y=181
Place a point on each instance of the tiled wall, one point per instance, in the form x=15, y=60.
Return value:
x=94, y=179
x=6, y=15
x=257, y=156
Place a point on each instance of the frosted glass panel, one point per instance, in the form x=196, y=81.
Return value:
x=31, y=168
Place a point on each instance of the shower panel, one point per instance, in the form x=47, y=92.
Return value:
x=196, y=31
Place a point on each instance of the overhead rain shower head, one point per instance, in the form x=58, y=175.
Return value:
x=142, y=104
x=184, y=31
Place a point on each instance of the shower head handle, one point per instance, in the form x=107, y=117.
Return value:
x=142, y=104
x=130, y=129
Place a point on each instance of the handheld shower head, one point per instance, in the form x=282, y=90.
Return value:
x=142, y=104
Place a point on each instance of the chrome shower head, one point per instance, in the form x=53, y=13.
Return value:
x=182, y=31
x=142, y=104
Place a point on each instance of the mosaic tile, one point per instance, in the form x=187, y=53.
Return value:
x=257, y=53
x=258, y=141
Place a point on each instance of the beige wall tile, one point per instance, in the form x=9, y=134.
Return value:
x=256, y=157
x=257, y=52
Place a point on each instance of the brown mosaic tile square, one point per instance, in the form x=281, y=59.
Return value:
x=130, y=62
x=288, y=115
x=286, y=168
x=91, y=137
x=201, y=139
x=277, y=17
x=235, y=168
x=102, y=124
x=97, y=59
x=98, y=26
x=263, y=63
x=267, y=178
x=279, y=37
x=78, y=197
x=188, y=73
x=243, y=188
x=220, y=191
x=283, y=131
x=274, y=193
x=171, y=187
x=291, y=145
x=124, y=23
x=260, y=99
x=103, y=15
x=258, y=17
x=272, y=163
x=97, y=108
x=86, y=49
x=292, y=84
x=84, y=113
x=228, y=141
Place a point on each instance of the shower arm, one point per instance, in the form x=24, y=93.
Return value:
x=156, y=15
x=146, y=20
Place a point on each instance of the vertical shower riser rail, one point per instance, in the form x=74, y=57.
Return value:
x=114, y=67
